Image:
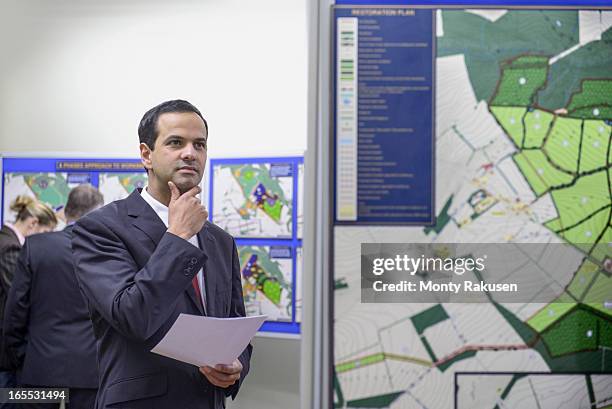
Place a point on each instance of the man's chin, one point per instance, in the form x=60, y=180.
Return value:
x=184, y=185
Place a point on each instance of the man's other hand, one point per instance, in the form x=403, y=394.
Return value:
x=222, y=375
x=186, y=214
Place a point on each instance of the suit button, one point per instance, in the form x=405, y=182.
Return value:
x=187, y=271
x=193, y=261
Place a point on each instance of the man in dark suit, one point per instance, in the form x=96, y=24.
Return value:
x=144, y=260
x=48, y=333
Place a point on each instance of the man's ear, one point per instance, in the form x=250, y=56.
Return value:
x=145, y=156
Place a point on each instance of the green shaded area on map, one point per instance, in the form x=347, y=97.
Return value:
x=521, y=78
x=460, y=357
x=261, y=273
x=442, y=219
x=50, y=188
x=593, y=100
x=552, y=312
x=583, y=361
x=380, y=401
x=592, y=60
x=428, y=318
x=508, y=388
x=254, y=178
x=582, y=279
x=549, y=149
x=487, y=44
x=579, y=330
x=379, y=357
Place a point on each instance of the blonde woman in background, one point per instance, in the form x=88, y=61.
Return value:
x=32, y=217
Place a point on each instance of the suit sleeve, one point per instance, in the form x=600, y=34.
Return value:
x=8, y=261
x=136, y=302
x=238, y=310
x=17, y=311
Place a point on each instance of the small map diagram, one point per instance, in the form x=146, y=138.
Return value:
x=50, y=188
x=267, y=281
x=254, y=200
x=117, y=186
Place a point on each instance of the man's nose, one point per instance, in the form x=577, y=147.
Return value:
x=188, y=152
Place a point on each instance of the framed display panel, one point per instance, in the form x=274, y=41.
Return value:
x=50, y=179
x=258, y=201
x=523, y=149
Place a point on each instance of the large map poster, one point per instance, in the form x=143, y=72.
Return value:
x=258, y=201
x=50, y=180
x=523, y=155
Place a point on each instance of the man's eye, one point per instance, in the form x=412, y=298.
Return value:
x=200, y=145
x=174, y=142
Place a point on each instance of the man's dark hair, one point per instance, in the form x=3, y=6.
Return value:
x=82, y=200
x=147, y=130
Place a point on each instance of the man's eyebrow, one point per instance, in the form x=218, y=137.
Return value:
x=173, y=137
x=199, y=139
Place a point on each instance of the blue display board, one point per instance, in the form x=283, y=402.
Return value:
x=258, y=201
x=384, y=116
x=50, y=179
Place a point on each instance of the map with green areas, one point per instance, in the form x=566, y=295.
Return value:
x=267, y=281
x=253, y=200
x=117, y=186
x=528, y=390
x=549, y=152
x=50, y=188
x=551, y=146
x=523, y=155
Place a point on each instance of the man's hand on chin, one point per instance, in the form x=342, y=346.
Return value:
x=222, y=375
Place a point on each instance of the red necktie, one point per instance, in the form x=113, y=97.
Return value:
x=196, y=287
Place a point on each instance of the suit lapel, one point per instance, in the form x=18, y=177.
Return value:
x=144, y=218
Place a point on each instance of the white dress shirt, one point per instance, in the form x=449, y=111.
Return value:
x=162, y=211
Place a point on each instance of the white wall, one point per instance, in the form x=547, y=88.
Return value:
x=77, y=75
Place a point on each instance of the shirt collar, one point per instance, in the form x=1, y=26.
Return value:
x=20, y=236
x=158, y=207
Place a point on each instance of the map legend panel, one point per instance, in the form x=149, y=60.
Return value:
x=346, y=126
x=384, y=116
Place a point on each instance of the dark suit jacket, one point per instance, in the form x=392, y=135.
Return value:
x=137, y=280
x=9, y=253
x=47, y=329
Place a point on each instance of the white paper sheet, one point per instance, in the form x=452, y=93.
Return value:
x=209, y=341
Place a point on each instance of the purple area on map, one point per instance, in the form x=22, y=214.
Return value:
x=246, y=271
